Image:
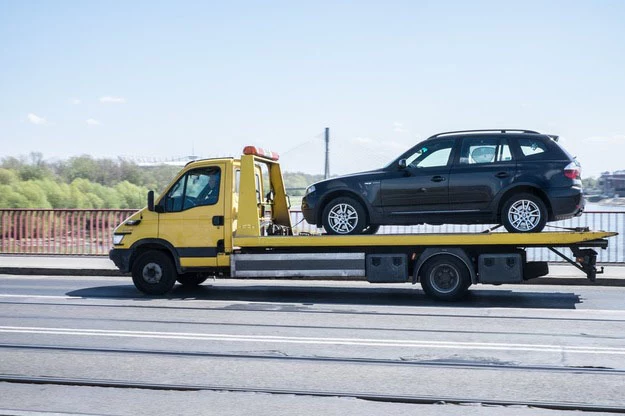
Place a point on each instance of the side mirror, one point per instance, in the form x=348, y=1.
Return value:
x=402, y=164
x=151, y=201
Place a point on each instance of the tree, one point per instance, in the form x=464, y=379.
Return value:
x=132, y=196
x=35, y=196
x=8, y=176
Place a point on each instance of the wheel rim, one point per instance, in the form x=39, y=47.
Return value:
x=444, y=278
x=343, y=218
x=152, y=273
x=524, y=215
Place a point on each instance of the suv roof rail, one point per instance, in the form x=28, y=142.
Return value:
x=484, y=131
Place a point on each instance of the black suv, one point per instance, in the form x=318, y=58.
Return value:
x=518, y=178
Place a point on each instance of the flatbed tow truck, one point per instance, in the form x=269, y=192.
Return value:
x=215, y=220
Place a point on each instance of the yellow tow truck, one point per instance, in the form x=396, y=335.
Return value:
x=215, y=220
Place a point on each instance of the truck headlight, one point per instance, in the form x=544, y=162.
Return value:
x=309, y=190
x=117, y=239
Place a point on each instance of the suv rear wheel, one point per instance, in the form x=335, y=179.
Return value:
x=524, y=213
x=344, y=216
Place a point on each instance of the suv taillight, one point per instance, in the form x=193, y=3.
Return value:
x=573, y=170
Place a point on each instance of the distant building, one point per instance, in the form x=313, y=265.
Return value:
x=612, y=184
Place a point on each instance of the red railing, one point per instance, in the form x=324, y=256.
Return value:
x=59, y=231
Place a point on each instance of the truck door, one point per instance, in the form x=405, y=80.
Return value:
x=193, y=216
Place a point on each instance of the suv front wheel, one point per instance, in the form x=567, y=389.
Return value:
x=344, y=216
x=524, y=213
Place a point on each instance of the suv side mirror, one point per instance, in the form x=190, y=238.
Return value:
x=402, y=163
x=151, y=201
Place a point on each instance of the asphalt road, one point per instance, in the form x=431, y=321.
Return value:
x=94, y=345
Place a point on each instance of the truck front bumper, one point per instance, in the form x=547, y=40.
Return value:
x=121, y=258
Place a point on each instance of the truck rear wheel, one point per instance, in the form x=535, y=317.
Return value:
x=445, y=277
x=153, y=273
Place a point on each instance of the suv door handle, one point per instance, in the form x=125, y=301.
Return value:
x=502, y=174
x=438, y=179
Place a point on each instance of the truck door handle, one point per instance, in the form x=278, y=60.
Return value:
x=218, y=220
x=502, y=175
x=438, y=179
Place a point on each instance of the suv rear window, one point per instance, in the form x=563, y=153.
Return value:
x=532, y=147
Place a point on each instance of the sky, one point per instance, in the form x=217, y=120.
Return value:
x=167, y=79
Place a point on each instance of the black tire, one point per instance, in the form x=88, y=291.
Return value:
x=344, y=216
x=524, y=213
x=445, y=277
x=191, y=279
x=153, y=273
x=372, y=229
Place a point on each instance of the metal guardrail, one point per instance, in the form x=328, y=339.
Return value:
x=59, y=231
x=90, y=231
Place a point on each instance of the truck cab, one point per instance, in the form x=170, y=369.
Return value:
x=186, y=234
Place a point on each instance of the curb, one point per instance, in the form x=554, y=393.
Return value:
x=49, y=271
x=575, y=281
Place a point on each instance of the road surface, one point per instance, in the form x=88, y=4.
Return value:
x=94, y=345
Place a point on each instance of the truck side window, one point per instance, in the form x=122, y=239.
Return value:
x=196, y=188
x=237, y=180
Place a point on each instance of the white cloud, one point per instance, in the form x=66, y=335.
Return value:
x=93, y=122
x=35, y=119
x=112, y=100
x=399, y=127
x=75, y=101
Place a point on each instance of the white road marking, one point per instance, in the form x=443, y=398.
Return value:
x=314, y=340
x=39, y=296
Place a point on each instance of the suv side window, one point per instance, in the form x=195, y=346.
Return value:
x=532, y=148
x=196, y=188
x=431, y=154
x=480, y=150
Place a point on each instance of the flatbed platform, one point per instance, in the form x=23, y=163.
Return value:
x=543, y=239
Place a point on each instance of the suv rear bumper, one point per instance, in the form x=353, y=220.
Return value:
x=566, y=203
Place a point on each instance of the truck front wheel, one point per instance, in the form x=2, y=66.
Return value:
x=153, y=273
x=445, y=277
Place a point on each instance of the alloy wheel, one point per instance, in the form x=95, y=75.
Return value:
x=524, y=215
x=343, y=218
